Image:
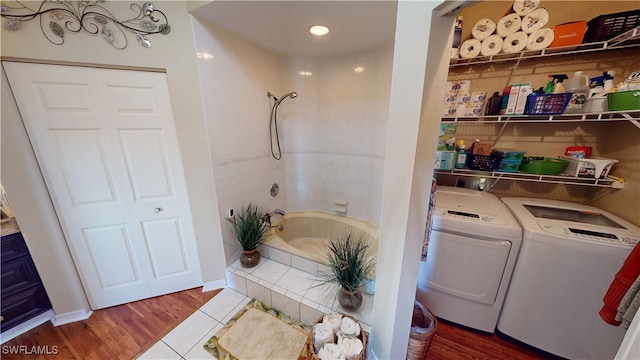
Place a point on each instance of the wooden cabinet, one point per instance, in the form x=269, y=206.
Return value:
x=23, y=295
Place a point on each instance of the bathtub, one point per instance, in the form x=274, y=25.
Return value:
x=307, y=234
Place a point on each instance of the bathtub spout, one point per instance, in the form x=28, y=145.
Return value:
x=266, y=218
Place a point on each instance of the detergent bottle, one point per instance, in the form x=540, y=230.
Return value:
x=578, y=85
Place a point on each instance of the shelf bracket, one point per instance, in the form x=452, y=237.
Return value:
x=631, y=119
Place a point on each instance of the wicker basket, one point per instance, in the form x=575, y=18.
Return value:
x=311, y=354
x=423, y=328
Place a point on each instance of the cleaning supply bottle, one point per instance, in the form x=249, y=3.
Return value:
x=493, y=104
x=578, y=86
x=461, y=156
x=554, y=86
x=601, y=84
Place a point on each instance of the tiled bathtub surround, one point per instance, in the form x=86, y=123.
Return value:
x=332, y=135
x=291, y=284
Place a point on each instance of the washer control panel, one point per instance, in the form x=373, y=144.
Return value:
x=591, y=235
x=467, y=216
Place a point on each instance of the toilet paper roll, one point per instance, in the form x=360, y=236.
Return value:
x=483, y=28
x=473, y=110
x=540, y=39
x=463, y=99
x=478, y=98
x=523, y=7
x=461, y=109
x=508, y=25
x=535, y=20
x=491, y=45
x=470, y=48
x=459, y=86
x=514, y=42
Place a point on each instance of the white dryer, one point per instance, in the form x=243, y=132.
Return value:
x=569, y=256
x=472, y=251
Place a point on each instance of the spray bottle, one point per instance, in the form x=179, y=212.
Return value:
x=555, y=86
x=600, y=84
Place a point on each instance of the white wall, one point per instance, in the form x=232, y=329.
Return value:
x=174, y=52
x=235, y=77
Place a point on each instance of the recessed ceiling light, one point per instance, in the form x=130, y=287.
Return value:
x=319, y=30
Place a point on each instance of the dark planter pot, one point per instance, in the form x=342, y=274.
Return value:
x=250, y=258
x=350, y=300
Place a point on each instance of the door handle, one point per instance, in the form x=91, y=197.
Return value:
x=158, y=210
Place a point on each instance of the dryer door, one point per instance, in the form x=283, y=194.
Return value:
x=465, y=267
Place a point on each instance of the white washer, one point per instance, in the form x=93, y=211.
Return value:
x=569, y=256
x=472, y=251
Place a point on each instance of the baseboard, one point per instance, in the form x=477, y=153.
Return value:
x=26, y=326
x=214, y=285
x=73, y=316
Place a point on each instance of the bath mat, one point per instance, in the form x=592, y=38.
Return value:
x=260, y=332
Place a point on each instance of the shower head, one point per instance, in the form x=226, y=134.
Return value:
x=291, y=95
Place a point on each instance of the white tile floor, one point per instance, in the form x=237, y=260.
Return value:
x=289, y=284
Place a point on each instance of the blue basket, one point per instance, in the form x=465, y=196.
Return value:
x=547, y=104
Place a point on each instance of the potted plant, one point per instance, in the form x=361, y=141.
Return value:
x=350, y=266
x=250, y=228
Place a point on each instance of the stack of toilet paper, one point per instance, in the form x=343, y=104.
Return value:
x=523, y=28
x=460, y=101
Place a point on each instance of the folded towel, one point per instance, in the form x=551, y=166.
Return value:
x=351, y=346
x=348, y=327
x=620, y=285
x=333, y=320
x=629, y=304
x=322, y=334
x=331, y=352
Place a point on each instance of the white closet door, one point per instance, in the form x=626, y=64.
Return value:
x=106, y=143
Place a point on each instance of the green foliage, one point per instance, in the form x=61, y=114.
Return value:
x=250, y=227
x=350, y=262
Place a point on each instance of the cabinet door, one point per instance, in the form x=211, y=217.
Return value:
x=106, y=144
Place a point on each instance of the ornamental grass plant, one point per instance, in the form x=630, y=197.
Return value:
x=250, y=227
x=349, y=261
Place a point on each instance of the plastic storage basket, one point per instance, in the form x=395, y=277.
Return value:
x=547, y=104
x=543, y=165
x=589, y=168
x=604, y=27
x=482, y=162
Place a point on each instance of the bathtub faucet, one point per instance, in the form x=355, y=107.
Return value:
x=267, y=218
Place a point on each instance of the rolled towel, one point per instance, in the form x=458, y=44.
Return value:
x=322, y=334
x=351, y=346
x=348, y=327
x=330, y=351
x=333, y=320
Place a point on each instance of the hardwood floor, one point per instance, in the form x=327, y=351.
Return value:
x=119, y=332
x=455, y=342
x=126, y=331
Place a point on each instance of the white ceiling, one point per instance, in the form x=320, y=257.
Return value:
x=283, y=26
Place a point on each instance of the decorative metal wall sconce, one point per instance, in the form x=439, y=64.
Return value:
x=59, y=17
